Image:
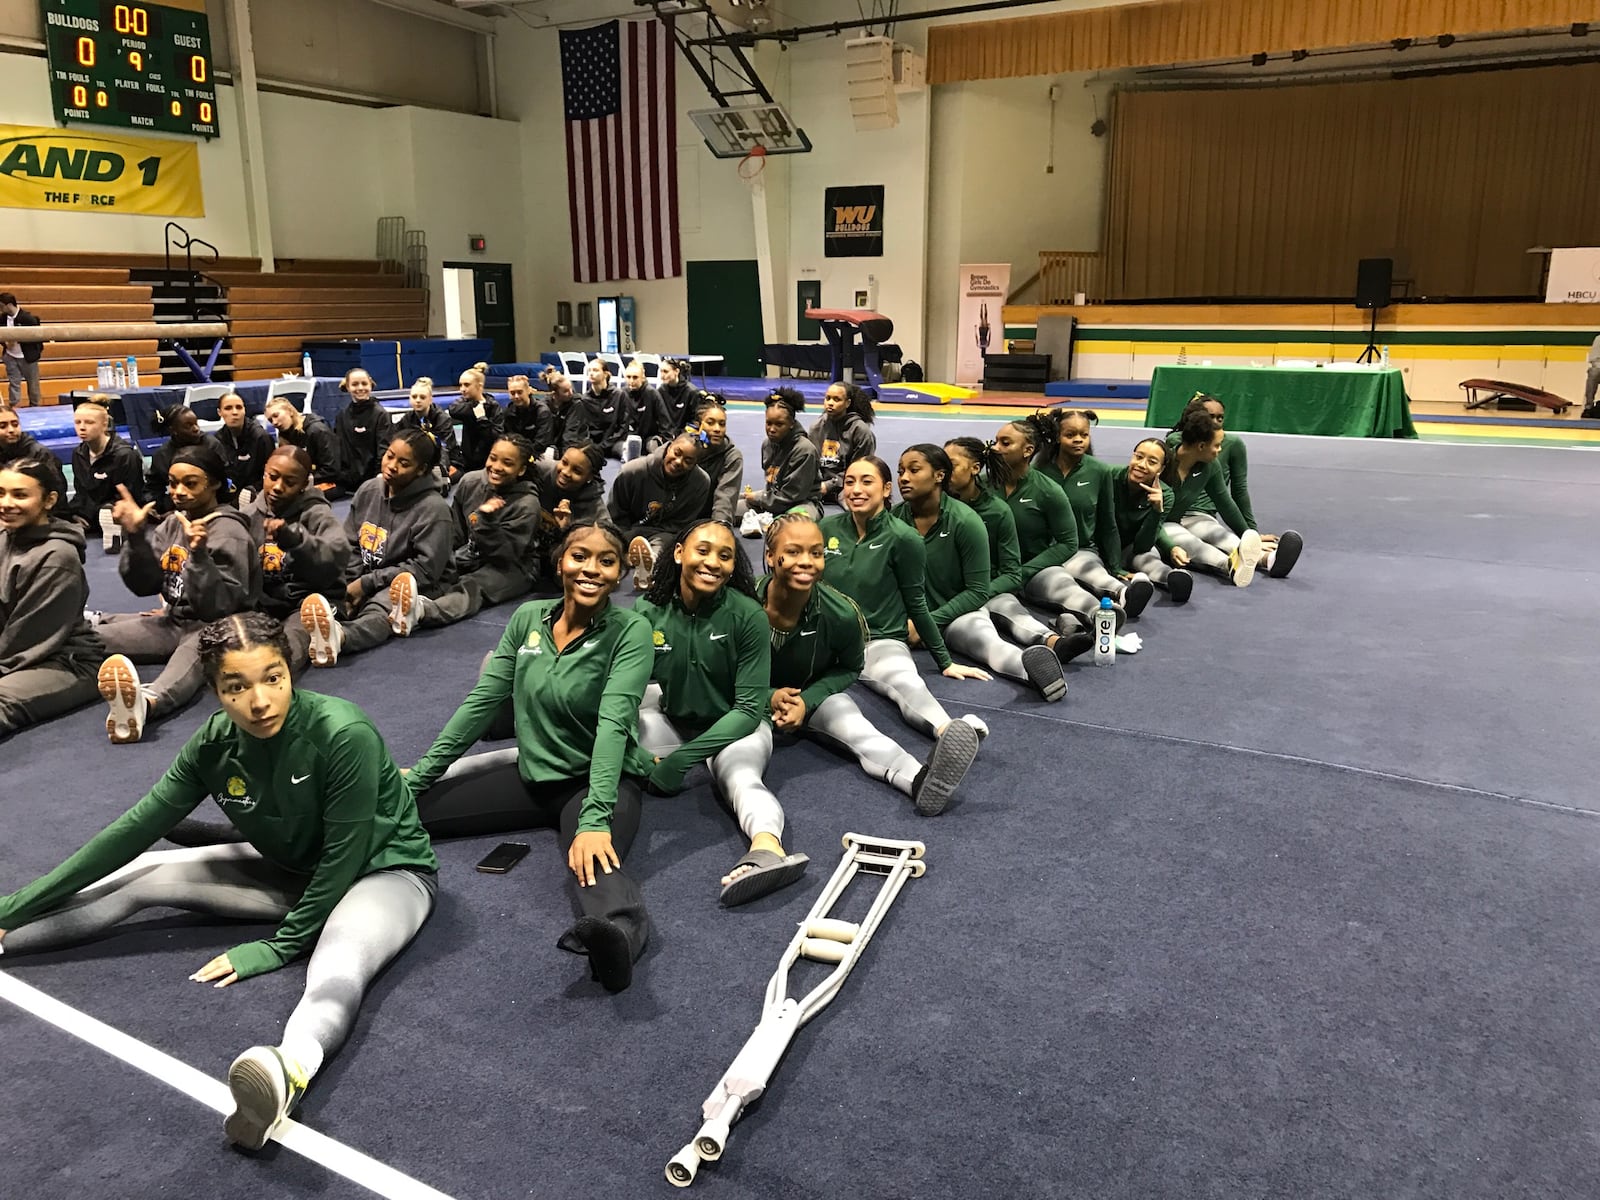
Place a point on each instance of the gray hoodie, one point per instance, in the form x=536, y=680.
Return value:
x=410, y=532
x=310, y=553
x=839, y=443
x=791, y=469
x=724, y=465
x=643, y=495
x=42, y=594
x=501, y=540
x=219, y=579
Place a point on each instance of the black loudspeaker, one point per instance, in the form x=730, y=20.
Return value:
x=1374, y=277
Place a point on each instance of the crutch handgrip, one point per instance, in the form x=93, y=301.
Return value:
x=831, y=929
x=681, y=1169
x=820, y=950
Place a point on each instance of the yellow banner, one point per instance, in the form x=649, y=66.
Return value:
x=74, y=170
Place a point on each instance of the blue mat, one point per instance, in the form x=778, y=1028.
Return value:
x=1101, y=389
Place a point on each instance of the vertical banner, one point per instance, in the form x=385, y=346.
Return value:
x=852, y=222
x=980, y=328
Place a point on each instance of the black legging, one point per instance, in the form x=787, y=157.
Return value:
x=485, y=793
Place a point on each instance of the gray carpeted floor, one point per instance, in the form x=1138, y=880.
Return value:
x=1293, y=903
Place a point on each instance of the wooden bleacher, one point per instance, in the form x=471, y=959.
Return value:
x=269, y=313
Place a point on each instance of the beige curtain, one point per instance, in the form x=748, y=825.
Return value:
x=1186, y=31
x=1278, y=191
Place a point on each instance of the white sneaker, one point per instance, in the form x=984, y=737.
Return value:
x=265, y=1086
x=110, y=533
x=316, y=614
x=120, y=688
x=643, y=561
x=750, y=527
x=405, y=604
x=981, y=729
x=1244, y=559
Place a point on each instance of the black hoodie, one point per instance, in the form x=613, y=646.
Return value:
x=219, y=579
x=680, y=399
x=246, y=451
x=310, y=553
x=477, y=434
x=317, y=440
x=42, y=594
x=599, y=417
x=649, y=418
x=96, y=479
x=410, y=532
x=363, y=432
x=533, y=420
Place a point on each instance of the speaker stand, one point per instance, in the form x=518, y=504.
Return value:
x=1370, y=354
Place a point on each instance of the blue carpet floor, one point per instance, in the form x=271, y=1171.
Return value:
x=1295, y=902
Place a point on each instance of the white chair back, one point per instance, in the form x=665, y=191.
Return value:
x=298, y=389
x=574, y=363
x=651, y=364
x=201, y=393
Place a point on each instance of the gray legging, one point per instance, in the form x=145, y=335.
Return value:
x=1201, y=554
x=1013, y=620
x=474, y=591
x=147, y=639
x=976, y=635
x=1211, y=531
x=1089, y=569
x=737, y=769
x=841, y=726
x=36, y=694
x=892, y=672
x=1151, y=563
x=1055, y=588
x=372, y=923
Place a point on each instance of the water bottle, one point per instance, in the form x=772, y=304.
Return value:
x=1383, y=359
x=1105, y=633
x=305, y=363
x=133, y=371
x=119, y=375
x=102, y=374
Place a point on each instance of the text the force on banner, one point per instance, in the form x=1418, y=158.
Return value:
x=77, y=170
x=852, y=222
x=984, y=287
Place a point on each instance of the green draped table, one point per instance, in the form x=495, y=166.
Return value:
x=1365, y=403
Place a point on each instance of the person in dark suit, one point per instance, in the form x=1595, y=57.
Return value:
x=22, y=358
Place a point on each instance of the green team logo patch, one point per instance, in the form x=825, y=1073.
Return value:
x=236, y=795
x=533, y=645
x=659, y=641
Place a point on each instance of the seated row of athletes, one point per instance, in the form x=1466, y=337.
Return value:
x=604, y=702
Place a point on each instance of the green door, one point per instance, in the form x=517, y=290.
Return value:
x=725, y=314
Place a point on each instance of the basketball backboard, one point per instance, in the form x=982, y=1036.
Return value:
x=734, y=132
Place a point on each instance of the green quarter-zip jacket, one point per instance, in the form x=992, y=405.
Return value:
x=1088, y=490
x=1138, y=521
x=576, y=710
x=1234, y=464
x=1005, y=555
x=957, y=575
x=1047, y=532
x=1203, y=484
x=884, y=573
x=714, y=665
x=321, y=799
x=826, y=651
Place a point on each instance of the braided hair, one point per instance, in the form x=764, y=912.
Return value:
x=667, y=575
x=783, y=521
x=242, y=631
x=787, y=397
x=524, y=448
x=422, y=444
x=578, y=529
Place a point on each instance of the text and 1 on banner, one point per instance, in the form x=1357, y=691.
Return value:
x=984, y=287
x=852, y=222
x=75, y=170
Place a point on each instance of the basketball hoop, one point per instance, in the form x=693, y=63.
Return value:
x=753, y=164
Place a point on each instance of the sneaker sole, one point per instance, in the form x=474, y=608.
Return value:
x=643, y=561
x=1043, y=669
x=1136, y=596
x=119, y=687
x=401, y=593
x=953, y=754
x=255, y=1104
x=1249, y=553
x=1290, y=544
x=318, y=622
x=1180, y=586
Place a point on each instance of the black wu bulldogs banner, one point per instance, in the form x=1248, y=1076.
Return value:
x=852, y=222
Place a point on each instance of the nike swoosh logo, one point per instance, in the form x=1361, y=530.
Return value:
x=944, y=535
x=299, y=778
x=808, y=633
x=1083, y=483
x=717, y=637
x=1027, y=501
x=875, y=546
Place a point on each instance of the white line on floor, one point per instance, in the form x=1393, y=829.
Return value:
x=320, y=1149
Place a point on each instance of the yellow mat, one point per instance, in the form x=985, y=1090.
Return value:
x=944, y=393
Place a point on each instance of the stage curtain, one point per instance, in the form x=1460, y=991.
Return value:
x=1278, y=191
x=1187, y=31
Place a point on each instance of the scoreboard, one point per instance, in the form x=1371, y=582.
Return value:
x=141, y=66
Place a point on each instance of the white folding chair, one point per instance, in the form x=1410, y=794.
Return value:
x=575, y=364
x=291, y=389
x=613, y=363
x=200, y=393
x=651, y=364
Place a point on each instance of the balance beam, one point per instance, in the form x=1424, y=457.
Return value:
x=110, y=332
x=841, y=326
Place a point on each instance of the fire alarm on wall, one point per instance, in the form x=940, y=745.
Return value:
x=477, y=243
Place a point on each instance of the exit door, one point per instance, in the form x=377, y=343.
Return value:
x=493, y=315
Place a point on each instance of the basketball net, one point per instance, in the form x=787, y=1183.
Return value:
x=752, y=168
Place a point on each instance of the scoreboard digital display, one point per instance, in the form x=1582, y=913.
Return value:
x=140, y=66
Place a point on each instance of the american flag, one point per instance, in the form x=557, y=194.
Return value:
x=619, y=90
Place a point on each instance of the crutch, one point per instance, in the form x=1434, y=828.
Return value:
x=820, y=938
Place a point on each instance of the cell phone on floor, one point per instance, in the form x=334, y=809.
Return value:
x=503, y=857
